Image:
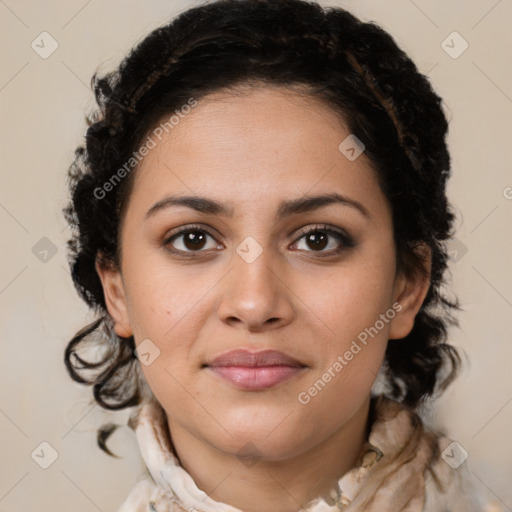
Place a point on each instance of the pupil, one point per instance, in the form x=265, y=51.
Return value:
x=194, y=239
x=318, y=240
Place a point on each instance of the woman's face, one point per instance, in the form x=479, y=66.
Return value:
x=254, y=164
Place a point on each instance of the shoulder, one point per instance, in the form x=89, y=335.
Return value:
x=146, y=496
x=450, y=485
x=139, y=497
x=435, y=465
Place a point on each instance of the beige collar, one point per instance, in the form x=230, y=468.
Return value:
x=389, y=475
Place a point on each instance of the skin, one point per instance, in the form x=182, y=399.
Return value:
x=252, y=151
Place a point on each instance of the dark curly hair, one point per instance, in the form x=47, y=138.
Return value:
x=358, y=70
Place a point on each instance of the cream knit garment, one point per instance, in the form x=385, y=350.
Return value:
x=400, y=470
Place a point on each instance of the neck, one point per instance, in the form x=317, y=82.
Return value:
x=263, y=485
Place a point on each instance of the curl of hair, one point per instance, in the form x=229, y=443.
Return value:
x=354, y=67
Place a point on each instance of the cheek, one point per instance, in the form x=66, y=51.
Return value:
x=167, y=311
x=348, y=299
x=164, y=297
x=352, y=352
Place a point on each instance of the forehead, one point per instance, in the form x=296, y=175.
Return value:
x=252, y=149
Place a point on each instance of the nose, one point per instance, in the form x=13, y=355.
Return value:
x=255, y=294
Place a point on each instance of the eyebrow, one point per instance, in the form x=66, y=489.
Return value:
x=286, y=208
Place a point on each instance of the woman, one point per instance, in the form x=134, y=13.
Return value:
x=260, y=214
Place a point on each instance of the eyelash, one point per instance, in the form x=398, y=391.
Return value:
x=347, y=241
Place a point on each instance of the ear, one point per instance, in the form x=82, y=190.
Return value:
x=409, y=293
x=115, y=298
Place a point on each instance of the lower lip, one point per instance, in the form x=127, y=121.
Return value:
x=254, y=378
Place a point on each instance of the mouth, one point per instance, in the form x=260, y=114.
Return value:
x=255, y=370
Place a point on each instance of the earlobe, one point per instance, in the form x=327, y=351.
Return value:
x=410, y=292
x=115, y=299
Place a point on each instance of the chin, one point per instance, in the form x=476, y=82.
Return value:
x=272, y=437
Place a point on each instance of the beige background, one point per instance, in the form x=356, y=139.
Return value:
x=42, y=104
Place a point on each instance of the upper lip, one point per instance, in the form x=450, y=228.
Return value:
x=244, y=357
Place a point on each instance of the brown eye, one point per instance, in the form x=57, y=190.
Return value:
x=317, y=239
x=191, y=239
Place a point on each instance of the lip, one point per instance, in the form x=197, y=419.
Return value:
x=244, y=357
x=255, y=370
